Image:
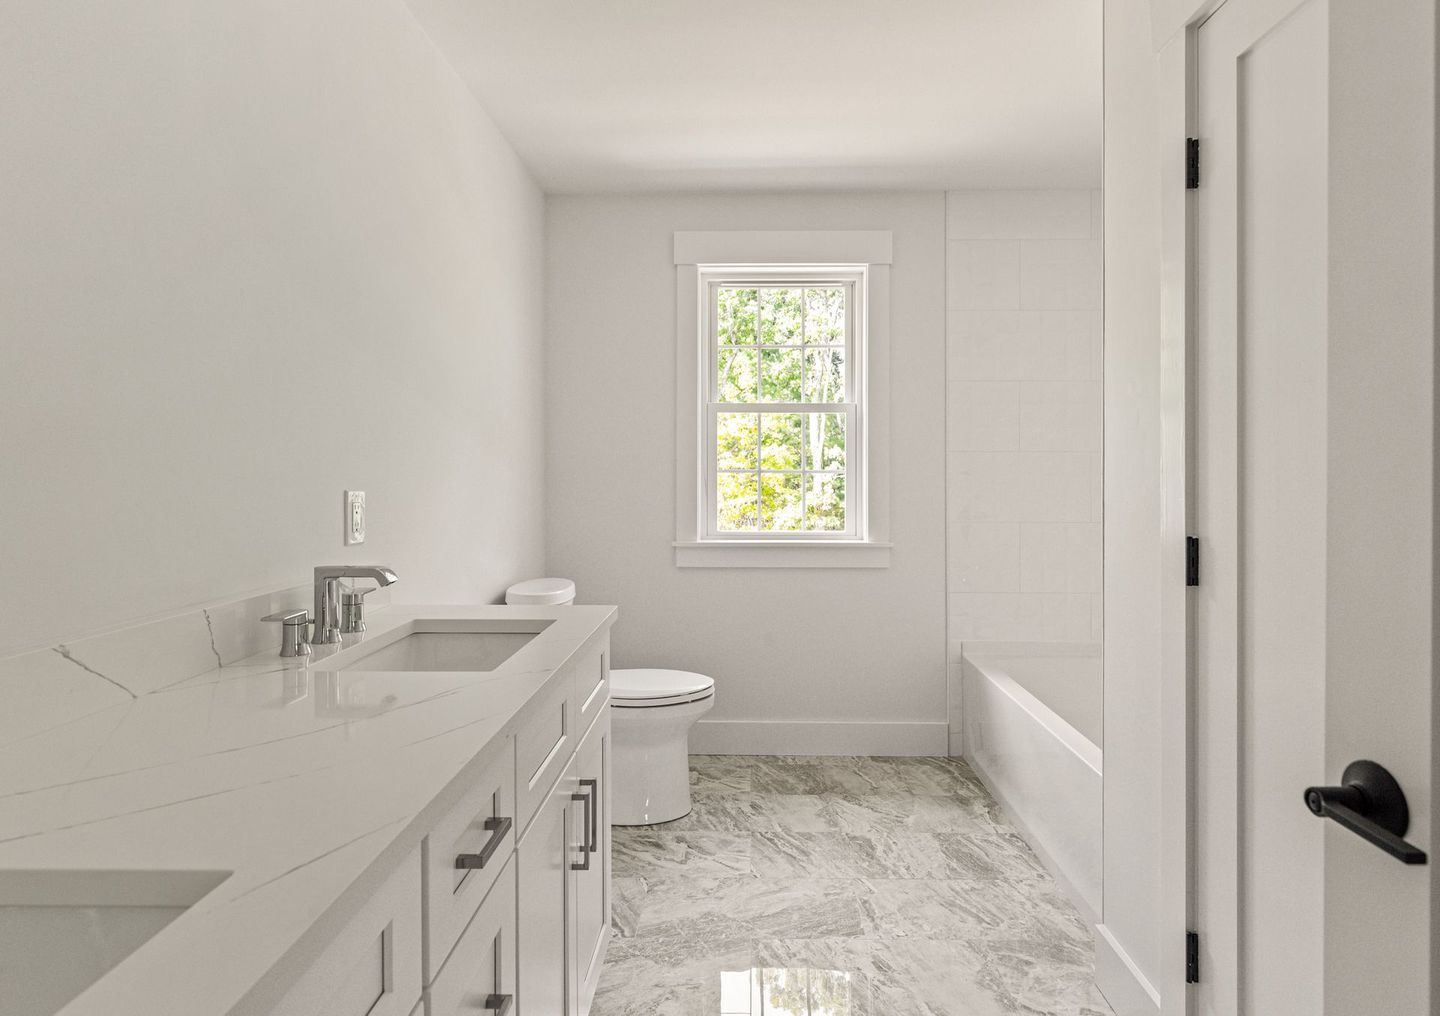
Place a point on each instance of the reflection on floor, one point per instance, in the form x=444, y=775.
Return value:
x=840, y=887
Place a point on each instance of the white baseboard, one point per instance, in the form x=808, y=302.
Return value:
x=803, y=737
x=1120, y=981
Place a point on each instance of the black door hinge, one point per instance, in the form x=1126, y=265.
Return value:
x=1192, y=560
x=1192, y=957
x=1192, y=163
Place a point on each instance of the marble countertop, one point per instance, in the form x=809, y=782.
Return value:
x=297, y=780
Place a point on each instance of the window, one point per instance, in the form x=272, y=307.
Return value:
x=784, y=426
x=782, y=417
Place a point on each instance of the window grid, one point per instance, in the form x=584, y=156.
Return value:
x=803, y=470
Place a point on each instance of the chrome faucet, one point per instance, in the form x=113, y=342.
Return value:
x=327, y=599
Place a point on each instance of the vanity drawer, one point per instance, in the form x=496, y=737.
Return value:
x=480, y=974
x=372, y=965
x=543, y=747
x=465, y=853
x=592, y=688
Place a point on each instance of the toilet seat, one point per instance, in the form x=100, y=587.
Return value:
x=650, y=689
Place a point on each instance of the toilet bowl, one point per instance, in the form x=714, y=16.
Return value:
x=651, y=713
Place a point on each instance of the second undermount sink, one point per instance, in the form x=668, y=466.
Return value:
x=61, y=931
x=446, y=651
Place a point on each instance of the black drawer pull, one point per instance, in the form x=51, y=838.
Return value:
x=498, y=827
x=588, y=799
x=593, y=843
x=499, y=1004
x=1370, y=804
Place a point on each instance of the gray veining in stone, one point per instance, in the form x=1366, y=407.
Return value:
x=64, y=651
x=840, y=887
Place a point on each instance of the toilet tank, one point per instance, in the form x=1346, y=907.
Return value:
x=541, y=592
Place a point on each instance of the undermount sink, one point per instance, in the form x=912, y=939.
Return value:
x=61, y=931
x=446, y=651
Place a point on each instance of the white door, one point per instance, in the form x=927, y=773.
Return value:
x=1314, y=469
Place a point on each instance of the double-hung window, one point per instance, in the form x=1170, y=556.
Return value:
x=784, y=414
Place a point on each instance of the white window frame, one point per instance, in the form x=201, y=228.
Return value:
x=851, y=406
x=861, y=259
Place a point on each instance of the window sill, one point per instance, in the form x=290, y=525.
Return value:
x=782, y=554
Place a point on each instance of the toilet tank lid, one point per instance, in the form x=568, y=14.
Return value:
x=541, y=591
x=656, y=684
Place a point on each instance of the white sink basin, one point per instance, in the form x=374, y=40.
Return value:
x=449, y=650
x=61, y=931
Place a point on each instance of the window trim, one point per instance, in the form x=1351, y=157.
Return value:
x=777, y=252
x=853, y=278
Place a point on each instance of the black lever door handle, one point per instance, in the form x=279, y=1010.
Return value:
x=1370, y=804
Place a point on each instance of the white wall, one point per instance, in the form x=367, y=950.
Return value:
x=1132, y=847
x=1024, y=410
x=1023, y=402
x=811, y=646
x=255, y=254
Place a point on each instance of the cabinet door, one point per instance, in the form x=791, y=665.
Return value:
x=479, y=976
x=590, y=923
x=544, y=900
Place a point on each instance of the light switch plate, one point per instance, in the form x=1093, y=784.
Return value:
x=354, y=517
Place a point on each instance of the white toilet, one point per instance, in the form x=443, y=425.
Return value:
x=651, y=713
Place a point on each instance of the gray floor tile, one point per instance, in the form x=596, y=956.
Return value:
x=802, y=886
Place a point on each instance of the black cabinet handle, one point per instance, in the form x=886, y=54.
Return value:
x=1370, y=804
x=499, y=1004
x=589, y=821
x=593, y=843
x=498, y=827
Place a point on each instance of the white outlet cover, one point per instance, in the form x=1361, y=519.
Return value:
x=354, y=517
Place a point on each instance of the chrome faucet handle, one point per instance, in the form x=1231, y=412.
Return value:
x=352, y=610
x=295, y=624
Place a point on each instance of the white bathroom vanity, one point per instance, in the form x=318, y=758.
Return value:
x=414, y=822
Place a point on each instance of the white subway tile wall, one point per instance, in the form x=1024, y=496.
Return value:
x=1023, y=434
x=1019, y=215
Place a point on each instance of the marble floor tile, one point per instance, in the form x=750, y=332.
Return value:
x=947, y=776
x=746, y=907
x=963, y=910
x=868, y=978
x=652, y=851
x=876, y=854
x=719, y=772
x=715, y=810
x=1046, y=976
x=893, y=811
x=839, y=775
x=840, y=887
x=658, y=976
x=998, y=854
x=627, y=901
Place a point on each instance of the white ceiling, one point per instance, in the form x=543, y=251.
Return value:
x=627, y=95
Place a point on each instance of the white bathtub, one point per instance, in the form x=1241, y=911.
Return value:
x=1032, y=716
